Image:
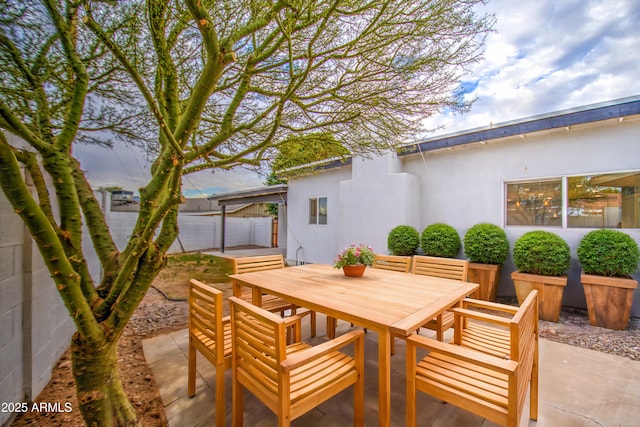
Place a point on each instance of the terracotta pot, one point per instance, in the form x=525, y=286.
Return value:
x=608, y=300
x=487, y=276
x=550, y=290
x=354, y=270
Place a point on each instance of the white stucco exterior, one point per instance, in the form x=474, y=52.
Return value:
x=461, y=186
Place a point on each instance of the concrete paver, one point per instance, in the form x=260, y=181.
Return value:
x=578, y=388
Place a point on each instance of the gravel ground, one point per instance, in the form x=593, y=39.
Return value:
x=574, y=329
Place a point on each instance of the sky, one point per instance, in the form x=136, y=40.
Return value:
x=544, y=56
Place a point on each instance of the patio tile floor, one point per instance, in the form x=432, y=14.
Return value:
x=578, y=388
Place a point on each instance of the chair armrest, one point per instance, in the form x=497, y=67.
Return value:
x=302, y=312
x=303, y=357
x=293, y=320
x=485, y=317
x=470, y=302
x=464, y=354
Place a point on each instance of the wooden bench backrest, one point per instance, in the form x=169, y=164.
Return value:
x=448, y=268
x=257, y=263
x=392, y=262
x=205, y=318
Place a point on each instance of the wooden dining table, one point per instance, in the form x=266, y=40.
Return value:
x=387, y=302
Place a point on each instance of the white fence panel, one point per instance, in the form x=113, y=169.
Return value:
x=196, y=233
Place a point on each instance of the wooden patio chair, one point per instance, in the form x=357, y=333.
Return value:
x=290, y=379
x=492, y=387
x=210, y=334
x=449, y=268
x=269, y=302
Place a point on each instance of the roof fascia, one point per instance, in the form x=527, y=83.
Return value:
x=562, y=119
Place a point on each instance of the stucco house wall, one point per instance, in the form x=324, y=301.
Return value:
x=315, y=242
x=461, y=185
x=464, y=186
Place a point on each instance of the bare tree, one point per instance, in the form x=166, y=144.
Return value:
x=201, y=84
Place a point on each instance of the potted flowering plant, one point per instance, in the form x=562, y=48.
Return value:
x=354, y=259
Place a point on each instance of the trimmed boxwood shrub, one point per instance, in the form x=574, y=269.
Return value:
x=440, y=240
x=541, y=252
x=403, y=240
x=608, y=253
x=486, y=244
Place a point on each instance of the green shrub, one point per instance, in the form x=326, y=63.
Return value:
x=486, y=244
x=403, y=240
x=608, y=253
x=440, y=240
x=541, y=252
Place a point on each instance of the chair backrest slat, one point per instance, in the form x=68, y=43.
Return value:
x=392, y=262
x=259, y=341
x=204, y=304
x=257, y=263
x=448, y=268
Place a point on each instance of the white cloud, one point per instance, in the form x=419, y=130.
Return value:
x=551, y=55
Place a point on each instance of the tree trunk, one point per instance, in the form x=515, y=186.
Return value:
x=102, y=399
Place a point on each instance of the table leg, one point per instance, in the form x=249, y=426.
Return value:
x=331, y=327
x=384, y=378
x=256, y=296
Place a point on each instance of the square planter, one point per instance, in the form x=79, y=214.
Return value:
x=550, y=290
x=608, y=300
x=487, y=276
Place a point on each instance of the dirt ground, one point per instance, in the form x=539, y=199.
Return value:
x=164, y=309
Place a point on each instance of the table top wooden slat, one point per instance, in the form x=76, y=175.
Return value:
x=379, y=299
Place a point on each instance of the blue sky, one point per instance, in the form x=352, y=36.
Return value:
x=545, y=56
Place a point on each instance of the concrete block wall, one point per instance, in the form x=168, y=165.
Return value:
x=11, y=308
x=35, y=327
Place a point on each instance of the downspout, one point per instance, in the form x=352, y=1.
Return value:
x=222, y=232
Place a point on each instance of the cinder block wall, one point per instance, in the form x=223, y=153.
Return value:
x=35, y=327
x=11, y=307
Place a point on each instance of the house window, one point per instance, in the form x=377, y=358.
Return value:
x=318, y=210
x=587, y=201
x=535, y=203
x=604, y=201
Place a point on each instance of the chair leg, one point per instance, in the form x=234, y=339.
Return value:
x=220, y=415
x=237, y=411
x=411, y=386
x=191, y=375
x=533, y=390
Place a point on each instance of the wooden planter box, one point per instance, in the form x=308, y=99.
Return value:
x=608, y=300
x=487, y=275
x=550, y=290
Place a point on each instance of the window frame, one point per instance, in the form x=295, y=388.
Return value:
x=316, y=208
x=564, y=195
